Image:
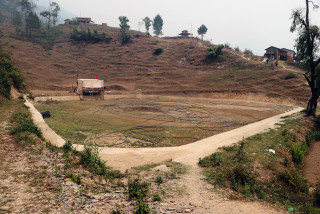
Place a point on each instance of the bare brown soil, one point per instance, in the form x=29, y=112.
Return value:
x=132, y=68
x=312, y=164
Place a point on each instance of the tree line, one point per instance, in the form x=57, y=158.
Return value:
x=156, y=23
x=23, y=15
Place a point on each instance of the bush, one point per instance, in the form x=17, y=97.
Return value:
x=214, y=52
x=247, y=52
x=137, y=189
x=125, y=38
x=227, y=45
x=5, y=85
x=156, y=197
x=67, y=146
x=158, y=51
x=212, y=160
x=17, y=78
x=8, y=76
x=294, y=179
x=142, y=207
x=237, y=49
x=83, y=36
x=91, y=160
x=291, y=76
x=159, y=180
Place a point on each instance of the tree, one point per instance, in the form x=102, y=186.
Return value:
x=157, y=25
x=17, y=20
x=55, y=12
x=52, y=14
x=26, y=7
x=147, y=23
x=124, y=27
x=47, y=15
x=202, y=30
x=32, y=22
x=307, y=45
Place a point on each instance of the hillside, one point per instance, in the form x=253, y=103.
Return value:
x=180, y=70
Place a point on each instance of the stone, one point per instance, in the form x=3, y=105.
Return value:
x=187, y=210
x=171, y=209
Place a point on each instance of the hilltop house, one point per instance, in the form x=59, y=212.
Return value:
x=84, y=20
x=283, y=53
x=184, y=34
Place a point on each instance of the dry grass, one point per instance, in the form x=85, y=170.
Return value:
x=151, y=121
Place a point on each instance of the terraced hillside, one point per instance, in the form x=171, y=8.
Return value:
x=180, y=70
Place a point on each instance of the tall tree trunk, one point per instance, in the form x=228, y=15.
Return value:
x=312, y=105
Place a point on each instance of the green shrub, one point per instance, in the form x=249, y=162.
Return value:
x=227, y=45
x=214, y=52
x=237, y=49
x=142, y=207
x=212, y=160
x=5, y=85
x=294, y=179
x=298, y=152
x=247, y=52
x=83, y=36
x=17, y=78
x=159, y=180
x=91, y=160
x=158, y=51
x=137, y=189
x=67, y=146
x=156, y=197
x=291, y=76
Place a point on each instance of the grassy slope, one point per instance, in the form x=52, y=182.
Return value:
x=180, y=69
x=257, y=173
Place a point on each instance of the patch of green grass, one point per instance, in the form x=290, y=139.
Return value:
x=291, y=76
x=238, y=167
x=146, y=167
x=22, y=122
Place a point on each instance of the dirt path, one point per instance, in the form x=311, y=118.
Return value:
x=125, y=158
x=312, y=163
x=202, y=198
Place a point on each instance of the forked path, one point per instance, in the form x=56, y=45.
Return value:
x=125, y=158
